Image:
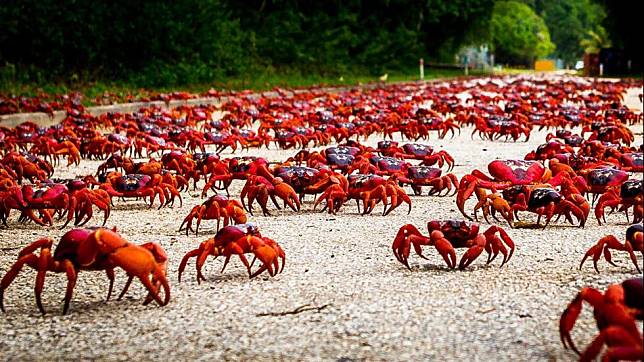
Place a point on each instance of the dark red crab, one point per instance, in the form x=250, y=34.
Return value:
x=238, y=240
x=600, y=180
x=504, y=173
x=629, y=161
x=546, y=202
x=44, y=198
x=380, y=165
x=419, y=176
x=370, y=188
x=549, y=150
x=11, y=198
x=615, y=311
x=238, y=168
x=416, y=151
x=445, y=236
x=629, y=195
x=634, y=242
x=299, y=177
x=144, y=186
x=217, y=207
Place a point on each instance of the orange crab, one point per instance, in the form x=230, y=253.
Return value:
x=92, y=249
x=445, y=236
x=217, y=207
x=238, y=240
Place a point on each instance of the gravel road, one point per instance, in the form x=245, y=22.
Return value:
x=370, y=306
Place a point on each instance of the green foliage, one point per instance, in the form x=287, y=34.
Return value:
x=117, y=38
x=518, y=34
x=157, y=43
x=570, y=22
x=595, y=41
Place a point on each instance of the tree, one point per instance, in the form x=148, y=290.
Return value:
x=518, y=34
x=595, y=41
x=569, y=23
x=155, y=42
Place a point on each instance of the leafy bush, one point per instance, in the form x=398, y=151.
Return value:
x=519, y=35
x=169, y=43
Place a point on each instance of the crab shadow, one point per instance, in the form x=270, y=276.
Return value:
x=620, y=269
x=133, y=205
x=215, y=277
x=76, y=307
x=528, y=225
x=444, y=268
x=18, y=225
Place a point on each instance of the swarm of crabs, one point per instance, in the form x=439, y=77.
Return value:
x=589, y=163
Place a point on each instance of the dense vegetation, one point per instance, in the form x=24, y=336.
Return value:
x=518, y=33
x=169, y=43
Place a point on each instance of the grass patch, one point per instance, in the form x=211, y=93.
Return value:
x=259, y=81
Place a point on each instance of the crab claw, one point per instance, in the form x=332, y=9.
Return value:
x=473, y=252
x=604, y=245
x=135, y=260
x=269, y=253
x=403, y=241
x=445, y=249
x=465, y=190
x=571, y=313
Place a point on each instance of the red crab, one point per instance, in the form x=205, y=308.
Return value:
x=380, y=165
x=436, y=123
x=600, y=180
x=286, y=139
x=116, y=161
x=496, y=126
x=181, y=162
x=370, y=189
x=138, y=185
x=615, y=133
x=549, y=150
x=217, y=207
x=27, y=166
x=45, y=198
x=249, y=138
x=615, y=311
x=445, y=236
x=238, y=168
x=152, y=144
x=221, y=140
x=238, y=240
x=628, y=161
x=630, y=194
x=260, y=188
x=505, y=173
x=81, y=201
x=567, y=136
x=542, y=200
x=53, y=149
x=310, y=181
x=11, y=199
x=417, y=151
x=419, y=176
x=339, y=158
x=92, y=249
x=634, y=242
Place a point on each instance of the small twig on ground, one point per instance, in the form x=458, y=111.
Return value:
x=486, y=310
x=300, y=309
